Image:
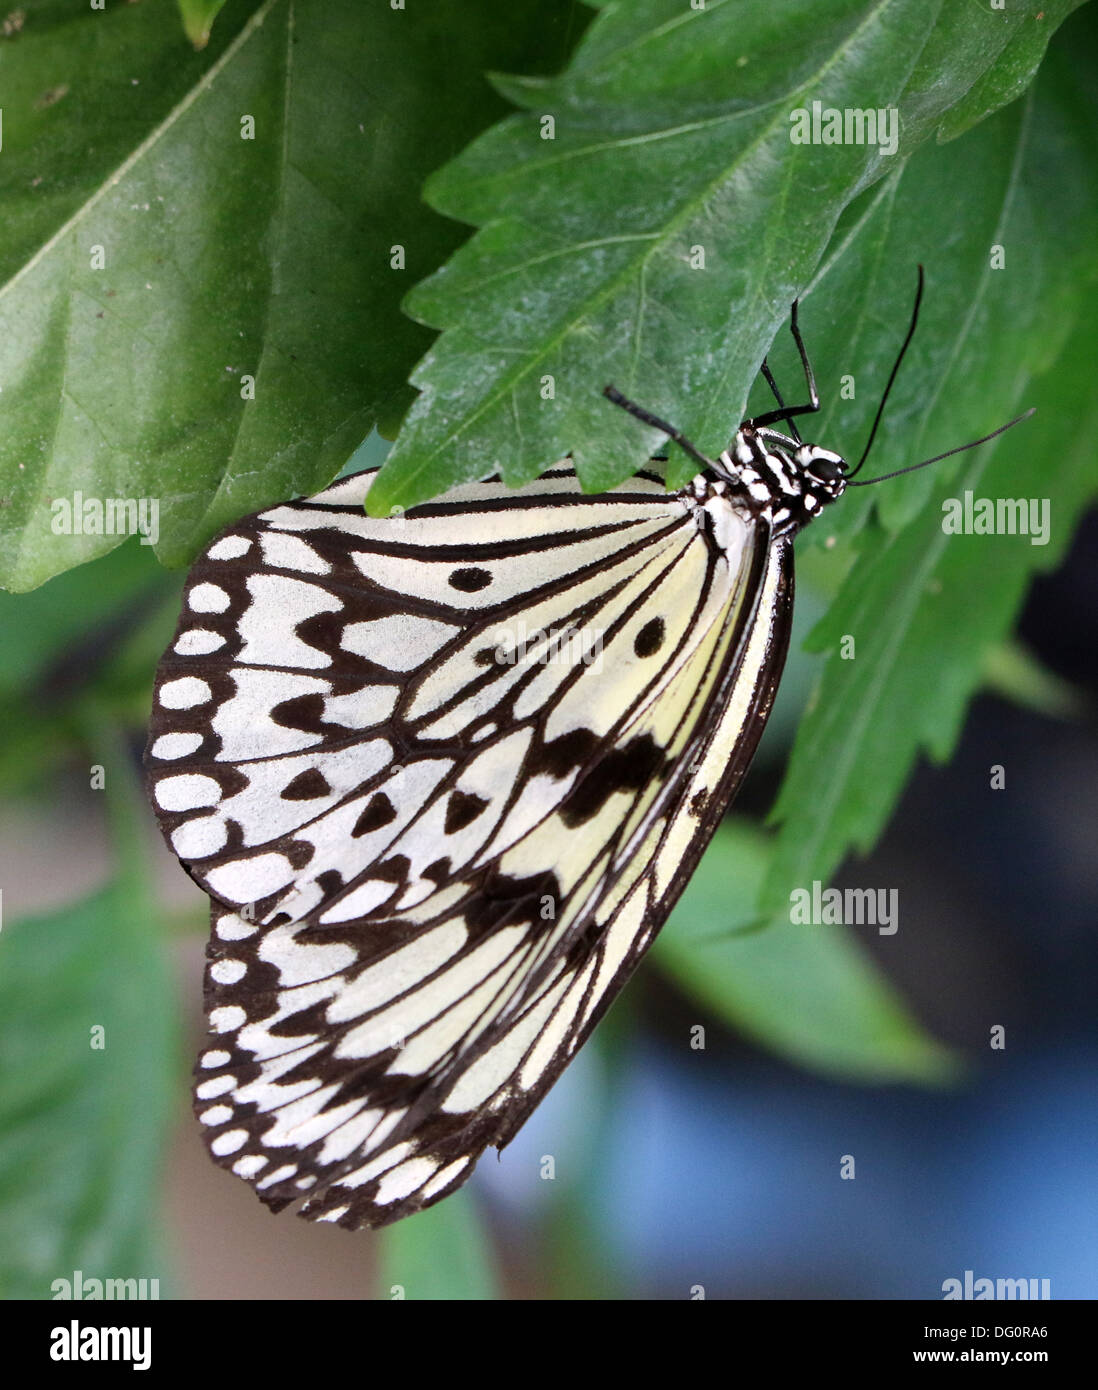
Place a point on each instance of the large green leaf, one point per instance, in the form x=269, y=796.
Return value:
x=222, y=257
x=924, y=608
x=806, y=992
x=83, y=1112
x=670, y=139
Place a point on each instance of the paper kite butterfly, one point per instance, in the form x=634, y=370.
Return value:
x=439, y=822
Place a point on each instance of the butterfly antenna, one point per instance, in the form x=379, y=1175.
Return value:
x=960, y=449
x=892, y=378
x=613, y=394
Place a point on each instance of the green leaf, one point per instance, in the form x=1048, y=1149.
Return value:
x=671, y=139
x=223, y=256
x=198, y=17
x=1023, y=33
x=440, y=1253
x=926, y=608
x=808, y=993
x=83, y=1126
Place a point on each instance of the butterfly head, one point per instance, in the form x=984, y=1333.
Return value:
x=822, y=473
x=780, y=478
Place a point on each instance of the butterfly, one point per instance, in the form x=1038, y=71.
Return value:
x=443, y=777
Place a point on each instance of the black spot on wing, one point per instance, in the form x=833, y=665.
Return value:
x=330, y=881
x=439, y=871
x=307, y=786
x=469, y=580
x=305, y=713
x=507, y=901
x=379, y=811
x=625, y=769
x=298, y=852
x=300, y=712
x=650, y=638
x=562, y=755
x=461, y=810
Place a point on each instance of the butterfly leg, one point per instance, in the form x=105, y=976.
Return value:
x=769, y=375
x=613, y=394
x=786, y=412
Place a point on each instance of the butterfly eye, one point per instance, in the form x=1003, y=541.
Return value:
x=827, y=470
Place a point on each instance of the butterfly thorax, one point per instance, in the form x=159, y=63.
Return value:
x=780, y=480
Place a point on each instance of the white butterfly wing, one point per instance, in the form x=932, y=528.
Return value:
x=433, y=869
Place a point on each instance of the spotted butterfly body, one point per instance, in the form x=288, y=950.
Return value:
x=443, y=777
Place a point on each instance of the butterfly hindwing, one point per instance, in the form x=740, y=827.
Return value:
x=437, y=844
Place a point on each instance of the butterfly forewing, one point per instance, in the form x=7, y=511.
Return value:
x=443, y=777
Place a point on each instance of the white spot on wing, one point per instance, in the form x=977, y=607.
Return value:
x=399, y=642
x=246, y=880
x=361, y=708
x=230, y=927
x=199, y=641
x=291, y=553
x=389, y=1159
x=197, y=839
x=229, y=548
x=269, y=625
x=186, y=791
x=185, y=693
x=279, y=1175
x=171, y=746
x=360, y=900
x=332, y=1215
x=299, y=962
x=249, y=1165
x=229, y=1142
x=208, y=598
x=216, y=1086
